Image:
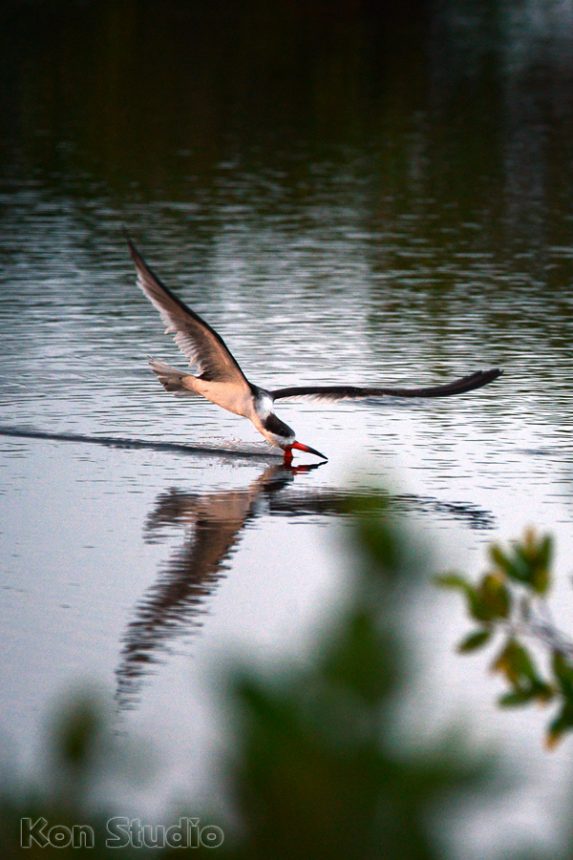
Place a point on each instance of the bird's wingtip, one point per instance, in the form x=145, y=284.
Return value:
x=135, y=255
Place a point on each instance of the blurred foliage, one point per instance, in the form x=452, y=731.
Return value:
x=320, y=766
x=318, y=762
x=510, y=600
x=323, y=769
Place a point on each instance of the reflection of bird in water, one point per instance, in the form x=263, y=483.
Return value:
x=222, y=381
x=173, y=605
x=193, y=571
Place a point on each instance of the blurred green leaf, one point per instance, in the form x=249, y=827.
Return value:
x=78, y=730
x=474, y=640
x=494, y=596
x=452, y=580
x=499, y=557
x=562, y=724
x=355, y=658
x=514, y=700
x=516, y=664
x=563, y=671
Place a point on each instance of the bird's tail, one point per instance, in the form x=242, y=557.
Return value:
x=172, y=380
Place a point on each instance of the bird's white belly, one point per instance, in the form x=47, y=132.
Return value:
x=225, y=394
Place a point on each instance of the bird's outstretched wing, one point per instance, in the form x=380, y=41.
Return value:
x=352, y=392
x=204, y=349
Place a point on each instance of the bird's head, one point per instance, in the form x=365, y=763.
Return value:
x=279, y=433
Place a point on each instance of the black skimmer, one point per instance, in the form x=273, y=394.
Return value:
x=220, y=379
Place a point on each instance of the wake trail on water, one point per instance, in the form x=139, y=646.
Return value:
x=115, y=442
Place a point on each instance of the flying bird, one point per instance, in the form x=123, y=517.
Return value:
x=219, y=378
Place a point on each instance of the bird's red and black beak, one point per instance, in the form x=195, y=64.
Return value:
x=300, y=447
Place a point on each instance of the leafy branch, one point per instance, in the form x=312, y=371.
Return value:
x=511, y=599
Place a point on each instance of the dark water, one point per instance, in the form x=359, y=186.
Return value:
x=355, y=194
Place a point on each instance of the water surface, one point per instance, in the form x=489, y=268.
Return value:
x=391, y=209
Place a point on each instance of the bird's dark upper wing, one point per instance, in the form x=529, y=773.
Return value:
x=352, y=392
x=199, y=343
